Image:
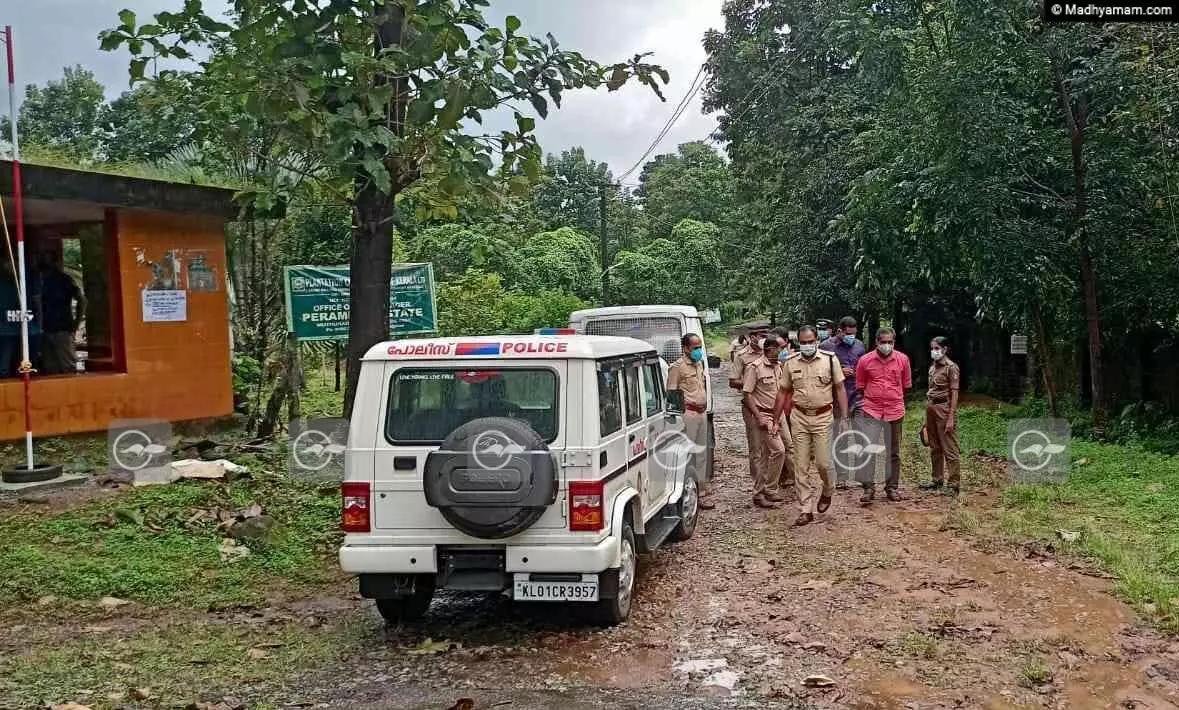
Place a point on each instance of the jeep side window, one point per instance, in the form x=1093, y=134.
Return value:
x=653, y=388
x=609, y=400
x=634, y=395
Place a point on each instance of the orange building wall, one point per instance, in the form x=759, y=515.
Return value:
x=174, y=371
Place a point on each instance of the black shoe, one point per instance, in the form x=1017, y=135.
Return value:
x=952, y=492
x=931, y=486
x=868, y=497
x=893, y=495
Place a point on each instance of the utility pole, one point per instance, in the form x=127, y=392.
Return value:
x=603, y=247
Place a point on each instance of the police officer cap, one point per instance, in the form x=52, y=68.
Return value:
x=823, y=323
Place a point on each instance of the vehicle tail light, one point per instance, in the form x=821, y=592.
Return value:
x=356, y=510
x=586, y=512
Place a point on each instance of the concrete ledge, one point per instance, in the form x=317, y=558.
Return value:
x=11, y=490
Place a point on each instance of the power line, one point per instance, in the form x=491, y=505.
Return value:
x=693, y=89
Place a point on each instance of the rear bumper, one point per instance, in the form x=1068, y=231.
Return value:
x=397, y=559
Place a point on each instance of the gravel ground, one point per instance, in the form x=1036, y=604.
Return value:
x=887, y=602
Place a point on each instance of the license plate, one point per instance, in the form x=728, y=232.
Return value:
x=584, y=591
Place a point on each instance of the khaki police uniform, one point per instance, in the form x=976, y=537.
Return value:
x=943, y=446
x=741, y=360
x=812, y=383
x=688, y=377
x=761, y=381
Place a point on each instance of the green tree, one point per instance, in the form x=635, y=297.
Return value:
x=64, y=115
x=455, y=248
x=378, y=93
x=152, y=121
x=562, y=260
x=569, y=193
x=694, y=183
x=471, y=304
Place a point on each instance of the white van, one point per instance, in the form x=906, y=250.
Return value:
x=662, y=327
x=534, y=465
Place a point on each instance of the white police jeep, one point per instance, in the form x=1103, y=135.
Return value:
x=534, y=465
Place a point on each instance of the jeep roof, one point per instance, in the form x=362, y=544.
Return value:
x=554, y=347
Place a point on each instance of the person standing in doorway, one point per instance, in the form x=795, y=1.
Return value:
x=941, y=410
x=760, y=395
x=848, y=349
x=63, y=307
x=882, y=376
x=687, y=375
x=809, y=383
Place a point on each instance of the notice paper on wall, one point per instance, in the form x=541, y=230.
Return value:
x=164, y=306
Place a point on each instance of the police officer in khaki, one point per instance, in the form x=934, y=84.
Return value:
x=786, y=480
x=687, y=375
x=760, y=397
x=809, y=382
x=742, y=358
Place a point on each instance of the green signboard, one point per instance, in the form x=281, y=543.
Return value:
x=318, y=306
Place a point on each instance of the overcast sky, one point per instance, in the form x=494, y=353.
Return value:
x=615, y=127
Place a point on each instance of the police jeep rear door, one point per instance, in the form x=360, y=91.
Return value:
x=425, y=401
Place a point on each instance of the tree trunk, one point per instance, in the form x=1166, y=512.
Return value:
x=1076, y=121
x=372, y=235
x=286, y=390
x=1045, y=351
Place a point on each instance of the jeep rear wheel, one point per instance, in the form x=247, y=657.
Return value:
x=413, y=607
x=611, y=612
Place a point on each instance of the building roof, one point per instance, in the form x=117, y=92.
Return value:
x=43, y=182
x=611, y=311
x=516, y=347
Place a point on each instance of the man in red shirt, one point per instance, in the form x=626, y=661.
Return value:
x=883, y=375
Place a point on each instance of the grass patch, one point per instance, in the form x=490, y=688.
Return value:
x=1120, y=498
x=1034, y=673
x=102, y=549
x=178, y=663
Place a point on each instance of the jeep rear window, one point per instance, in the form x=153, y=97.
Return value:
x=425, y=405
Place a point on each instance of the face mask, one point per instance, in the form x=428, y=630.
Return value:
x=849, y=340
x=884, y=349
x=697, y=354
x=809, y=349
x=783, y=356
x=936, y=355
x=824, y=334
x=760, y=343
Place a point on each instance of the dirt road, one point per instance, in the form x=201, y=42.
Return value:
x=890, y=604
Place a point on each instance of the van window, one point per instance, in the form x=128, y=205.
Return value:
x=425, y=405
x=661, y=332
x=634, y=394
x=609, y=401
x=653, y=388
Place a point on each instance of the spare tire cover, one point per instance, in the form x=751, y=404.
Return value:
x=492, y=477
